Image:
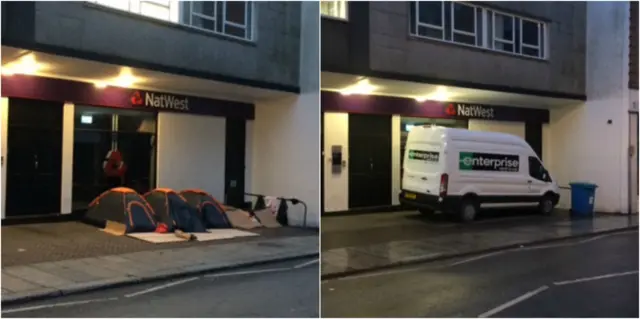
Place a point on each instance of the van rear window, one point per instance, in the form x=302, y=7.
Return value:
x=425, y=156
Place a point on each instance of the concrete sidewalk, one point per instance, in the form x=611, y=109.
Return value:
x=49, y=279
x=345, y=253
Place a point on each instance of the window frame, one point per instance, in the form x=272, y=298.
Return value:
x=177, y=15
x=135, y=7
x=249, y=18
x=335, y=17
x=485, y=36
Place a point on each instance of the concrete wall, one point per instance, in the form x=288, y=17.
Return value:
x=393, y=50
x=191, y=152
x=273, y=57
x=590, y=141
x=634, y=25
x=286, y=134
x=4, y=122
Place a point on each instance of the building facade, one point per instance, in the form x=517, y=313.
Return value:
x=202, y=94
x=532, y=69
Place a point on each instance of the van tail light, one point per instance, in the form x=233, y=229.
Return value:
x=444, y=184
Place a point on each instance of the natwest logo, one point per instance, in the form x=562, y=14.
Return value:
x=160, y=101
x=470, y=110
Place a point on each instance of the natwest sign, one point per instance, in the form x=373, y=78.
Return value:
x=470, y=110
x=160, y=101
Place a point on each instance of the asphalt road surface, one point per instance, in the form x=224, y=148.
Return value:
x=588, y=277
x=277, y=290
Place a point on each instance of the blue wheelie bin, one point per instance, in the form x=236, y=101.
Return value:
x=583, y=196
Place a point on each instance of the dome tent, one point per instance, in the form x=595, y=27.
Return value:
x=122, y=205
x=172, y=209
x=209, y=209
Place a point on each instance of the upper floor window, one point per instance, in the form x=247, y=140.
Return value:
x=334, y=9
x=471, y=25
x=231, y=18
x=162, y=10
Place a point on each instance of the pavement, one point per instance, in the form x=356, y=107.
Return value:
x=87, y=259
x=353, y=244
x=48, y=242
x=286, y=289
x=581, y=277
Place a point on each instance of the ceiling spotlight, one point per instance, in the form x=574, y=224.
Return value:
x=362, y=87
x=27, y=64
x=100, y=85
x=125, y=79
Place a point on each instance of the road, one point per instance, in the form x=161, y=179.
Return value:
x=592, y=277
x=277, y=290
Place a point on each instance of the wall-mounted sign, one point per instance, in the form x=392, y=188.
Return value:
x=389, y=105
x=160, y=101
x=470, y=110
x=49, y=89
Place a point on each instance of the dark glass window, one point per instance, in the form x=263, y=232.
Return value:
x=537, y=171
x=100, y=130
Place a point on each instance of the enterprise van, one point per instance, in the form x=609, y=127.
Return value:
x=460, y=171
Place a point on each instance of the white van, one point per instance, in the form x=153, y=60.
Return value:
x=460, y=171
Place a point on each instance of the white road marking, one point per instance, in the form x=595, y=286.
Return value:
x=513, y=302
x=476, y=258
x=156, y=288
x=575, y=281
x=61, y=304
x=305, y=264
x=247, y=272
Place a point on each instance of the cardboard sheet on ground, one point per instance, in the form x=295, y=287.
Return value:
x=242, y=219
x=267, y=218
x=213, y=234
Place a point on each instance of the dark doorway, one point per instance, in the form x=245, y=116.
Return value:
x=235, y=162
x=533, y=136
x=369, y=160
x=34, y=157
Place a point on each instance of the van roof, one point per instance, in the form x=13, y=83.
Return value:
x=447, y=133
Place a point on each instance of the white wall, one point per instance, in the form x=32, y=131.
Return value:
x=396, y=140
x=585, y=147
x=515, y=128
x=191, y=152
x=633, y=141
x=286, y=133
x=336, y=184
x=4, y=117
x=66, y=182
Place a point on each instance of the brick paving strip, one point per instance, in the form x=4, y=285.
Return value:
x=50, y=279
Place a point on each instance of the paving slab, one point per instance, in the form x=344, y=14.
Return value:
x=15, y=284
x=59, y=269
x=34, y=275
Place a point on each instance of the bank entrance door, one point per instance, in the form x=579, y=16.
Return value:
x=34, y=157
x=235, y=146
x=369, y=160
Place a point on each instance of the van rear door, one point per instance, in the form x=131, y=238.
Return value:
x=423, y=167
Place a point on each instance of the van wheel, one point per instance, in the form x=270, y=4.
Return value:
x=545, y=207
x=468, y=210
